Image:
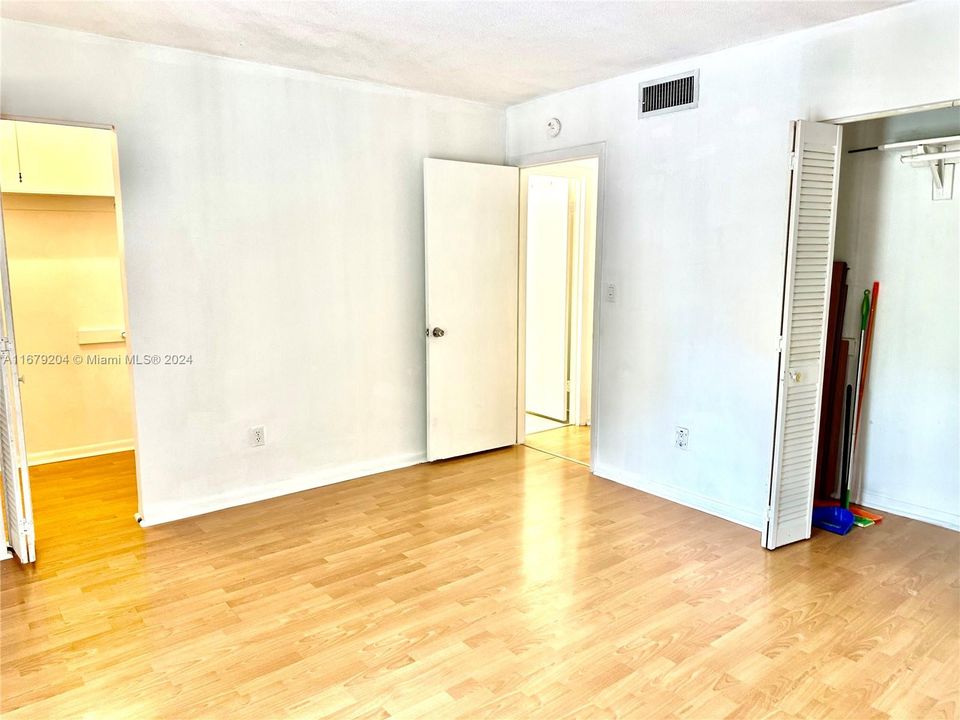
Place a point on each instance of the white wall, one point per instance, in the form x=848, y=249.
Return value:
x=273, y=230
x=889, y=229
x=694, y=221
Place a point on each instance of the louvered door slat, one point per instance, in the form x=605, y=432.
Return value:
x=810, y=238
x=14, y=474
x=12, y=501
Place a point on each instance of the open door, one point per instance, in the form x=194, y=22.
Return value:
x=803, y=331
x=471, y=236
x=548, y=298
x=17, y=505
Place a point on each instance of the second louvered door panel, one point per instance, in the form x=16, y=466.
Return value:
x=10, y=472
x=14, y=474
x=810, y=242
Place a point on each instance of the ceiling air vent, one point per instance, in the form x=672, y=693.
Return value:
x=679, y=92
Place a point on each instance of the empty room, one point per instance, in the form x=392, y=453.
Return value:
x=480, y=359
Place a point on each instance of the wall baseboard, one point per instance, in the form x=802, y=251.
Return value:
x=81, y=451
x=894, y=506
x=171, y=510
x=694, y=500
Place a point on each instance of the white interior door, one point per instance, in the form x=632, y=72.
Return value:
x=471, y=236
x=548, y=297
x=810, y=242
x=17, y=504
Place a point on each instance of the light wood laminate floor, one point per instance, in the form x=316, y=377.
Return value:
x=505, y=585
x=537, y=423
x=570, y=441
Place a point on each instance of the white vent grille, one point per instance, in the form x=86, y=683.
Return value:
x=679, y=92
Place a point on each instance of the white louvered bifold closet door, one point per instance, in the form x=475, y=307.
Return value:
x=810, y=241
x=17, y=504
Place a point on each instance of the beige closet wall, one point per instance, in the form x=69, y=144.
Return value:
x=64, y=277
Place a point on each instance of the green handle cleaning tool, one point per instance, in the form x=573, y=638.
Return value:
x=864, y=311
x=851, y=466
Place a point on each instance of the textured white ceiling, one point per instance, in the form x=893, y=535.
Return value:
x=496, y=52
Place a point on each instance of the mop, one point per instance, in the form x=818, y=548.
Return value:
x=865, y=517
x=864, y=314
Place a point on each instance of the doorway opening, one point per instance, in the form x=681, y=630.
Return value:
x=68, y=398
x=558, y=228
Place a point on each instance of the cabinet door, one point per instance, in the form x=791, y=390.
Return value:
x=65, y=160
x=9, y=162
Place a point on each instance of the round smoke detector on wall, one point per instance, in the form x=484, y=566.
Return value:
x=553, y=127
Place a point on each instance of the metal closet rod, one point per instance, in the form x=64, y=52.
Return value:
x=910, y=143
x=930, y=157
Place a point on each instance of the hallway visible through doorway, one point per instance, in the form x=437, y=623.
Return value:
x=558, y=229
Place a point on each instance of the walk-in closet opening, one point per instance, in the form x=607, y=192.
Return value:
x=68, y=403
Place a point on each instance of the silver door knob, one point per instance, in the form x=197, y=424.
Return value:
x=438, y=332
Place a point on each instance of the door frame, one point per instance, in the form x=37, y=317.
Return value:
x=121, y=253
x=551, y=157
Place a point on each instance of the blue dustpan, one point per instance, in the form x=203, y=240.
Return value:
x=834, y=519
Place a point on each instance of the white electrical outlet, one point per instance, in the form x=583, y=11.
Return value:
x=257, y=436
x=611, y=292
x=682, y=438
